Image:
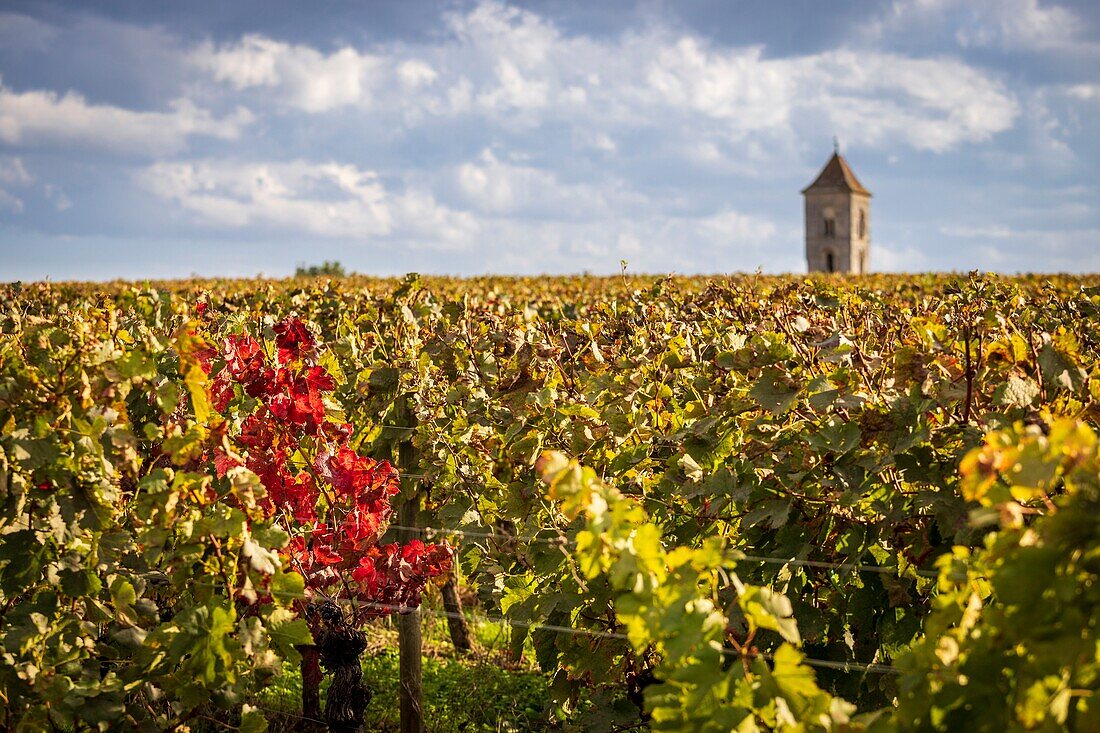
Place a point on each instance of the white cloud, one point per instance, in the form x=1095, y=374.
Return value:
x=887, y=257
x=326, y=200
x=651, y=144
x=1050, y=122
x=18, y=31
x=603, y=141
x=61, y=202
x=1084, y=91
x=303, y=77
x=880, y=100
x=13, y=172
x=1019, y=24
x=493, y=186
x=517, y=70
x=1013, y=25
x=46, y=118
x=514, y=91
x=654, y=243
x=521, y=218
x=870, y=98
x=15, y=175
x=415, y=73
x=502, y=31
x=10, y=202
x=734, y=226
x=737, y=86
x=531, y=220
x=712, y=96
x=1028, y=249
x=981, y=232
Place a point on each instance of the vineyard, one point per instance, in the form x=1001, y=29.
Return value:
x=729, y=504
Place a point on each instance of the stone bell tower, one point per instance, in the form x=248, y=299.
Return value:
x=838, y=220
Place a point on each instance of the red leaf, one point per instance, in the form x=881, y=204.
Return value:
x=293, y=339
x=223, y=462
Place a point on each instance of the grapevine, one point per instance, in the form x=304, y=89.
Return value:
x=750, y=502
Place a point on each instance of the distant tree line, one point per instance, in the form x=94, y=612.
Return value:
x=325, y=269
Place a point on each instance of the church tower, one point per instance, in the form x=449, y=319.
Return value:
x=838, y=220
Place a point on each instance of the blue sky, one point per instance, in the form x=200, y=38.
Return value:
x=162, y=140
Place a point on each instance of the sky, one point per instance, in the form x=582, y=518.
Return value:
x=154, y=140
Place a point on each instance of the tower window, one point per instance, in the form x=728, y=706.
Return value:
x=830, y=227
x=830, y=266
x=862, y=224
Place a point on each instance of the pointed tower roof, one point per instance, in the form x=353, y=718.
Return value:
x=836, y=175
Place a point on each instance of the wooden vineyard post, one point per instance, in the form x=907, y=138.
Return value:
x=408, y=624
x=311, y=689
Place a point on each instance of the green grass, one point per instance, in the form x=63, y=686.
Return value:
x=480, y=691
x=461, y=696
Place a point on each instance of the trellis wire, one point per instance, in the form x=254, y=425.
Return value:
x=534, y=625
x=594, y=633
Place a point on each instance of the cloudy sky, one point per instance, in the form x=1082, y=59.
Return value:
x=153, y=140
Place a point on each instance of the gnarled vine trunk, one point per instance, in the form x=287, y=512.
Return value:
x=339, y=647
x=456, y=622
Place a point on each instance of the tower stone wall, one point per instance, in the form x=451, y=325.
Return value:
x=837, y=221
